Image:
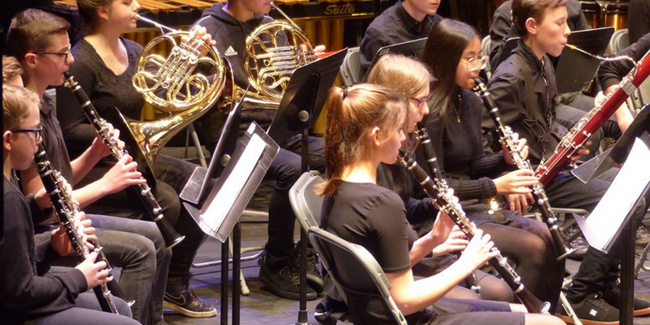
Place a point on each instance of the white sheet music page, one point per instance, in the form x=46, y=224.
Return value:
x=601, y=228
x=225, y=198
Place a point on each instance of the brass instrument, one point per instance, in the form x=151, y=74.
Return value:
x=273, y=52
x=170, y=85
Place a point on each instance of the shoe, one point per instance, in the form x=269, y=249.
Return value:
x=180, y=298
x=592, y=310
x=329, y=311
x=314, y=276
x=284, y=282
x=642, y=237
x=613, y=297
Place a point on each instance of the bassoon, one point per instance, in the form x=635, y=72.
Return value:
x=538, y=192
x=445, y=201
x=66, y=209
x=582, y=131
x=171, y=237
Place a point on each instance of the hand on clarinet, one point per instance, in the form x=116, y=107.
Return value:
x=477, y=252
x=122, y=175
x=516, y=182
x=456, y=241
x=519, y=202
x=522, y=148
x=100, y=148
x=95, y=273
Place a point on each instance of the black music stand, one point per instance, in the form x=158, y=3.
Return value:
x=624, y=227
x=413, y=48
x=304, y=99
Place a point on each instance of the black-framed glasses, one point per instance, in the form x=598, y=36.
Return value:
x=419, y=101
x=37, y=132
x=65, y=54
x=474, y=64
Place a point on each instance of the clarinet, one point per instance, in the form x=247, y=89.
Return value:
x=57, y=188
x=539, y=194
x=171, y=237
x=582, y=131
x=424, y=142
x=447, y=202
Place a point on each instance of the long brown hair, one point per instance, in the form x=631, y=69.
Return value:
x=351, y=112
x=442, y=53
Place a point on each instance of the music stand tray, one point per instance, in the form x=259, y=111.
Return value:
x=321, y=74
x=414, y=49
x=235, y=187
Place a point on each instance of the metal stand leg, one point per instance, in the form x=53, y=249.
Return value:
x=197, y=145
x=641, y=264
x=569, y=311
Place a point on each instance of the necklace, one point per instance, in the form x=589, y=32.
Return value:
x=457, y=109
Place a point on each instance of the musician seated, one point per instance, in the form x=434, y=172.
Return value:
x=364, y=129
x=595, y=295
x=26, y=296
x=230, y=24
x=407, y=20
x=39, y=41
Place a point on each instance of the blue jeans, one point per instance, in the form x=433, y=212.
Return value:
x=285, y=170
x=87, y=312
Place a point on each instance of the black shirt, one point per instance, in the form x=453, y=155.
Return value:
x=638, y=19
x=612, y=72
x=24, y=293
x=502, y=29
x=373, y=217
x=106, y=90
x=393, y=26
x=524, y=89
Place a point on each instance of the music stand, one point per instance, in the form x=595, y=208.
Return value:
x=572, y=69
x=304, y=99
x=618, y=153
x=414, y=48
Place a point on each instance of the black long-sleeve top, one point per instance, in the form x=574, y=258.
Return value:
x=612, y=72
x=502, y=30
x=459, y=148
x=525, y=91
x=105, y=89
x=638, y=19
x=24, y=292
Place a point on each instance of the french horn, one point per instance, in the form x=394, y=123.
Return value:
x=171, y=85
x=273, y=52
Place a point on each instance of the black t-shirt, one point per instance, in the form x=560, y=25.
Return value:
x=373, y=217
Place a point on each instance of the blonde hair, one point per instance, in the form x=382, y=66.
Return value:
x=10, y=68
x=16, y=104
x=351, y=112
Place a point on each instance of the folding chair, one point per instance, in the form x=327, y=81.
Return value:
x=485, y=48
x=367, y=279
x=351, y=71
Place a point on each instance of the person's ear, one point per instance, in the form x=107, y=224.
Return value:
x=531, y=26
x=102, y=12
x=30, y=60
x=374, y=136
x=6, y=143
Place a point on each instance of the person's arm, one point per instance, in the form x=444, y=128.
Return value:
x=577, y=18
x=501, y=24
x=20, y=288
x=412, y=296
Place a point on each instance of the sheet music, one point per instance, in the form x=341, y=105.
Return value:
x=604, y=224
x=216, y=213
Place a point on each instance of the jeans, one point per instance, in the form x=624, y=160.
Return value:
x=87, y=312
x=137, y=256
x=285, y=170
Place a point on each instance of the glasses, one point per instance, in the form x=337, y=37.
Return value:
x=474, y=64
x=65, y=54
x=419, y=101
x=37, y=131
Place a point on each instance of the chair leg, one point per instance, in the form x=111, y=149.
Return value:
x=569, y=311
x=197, y=145
x=640, y=265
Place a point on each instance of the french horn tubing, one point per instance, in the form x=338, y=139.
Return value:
x=171, y=85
